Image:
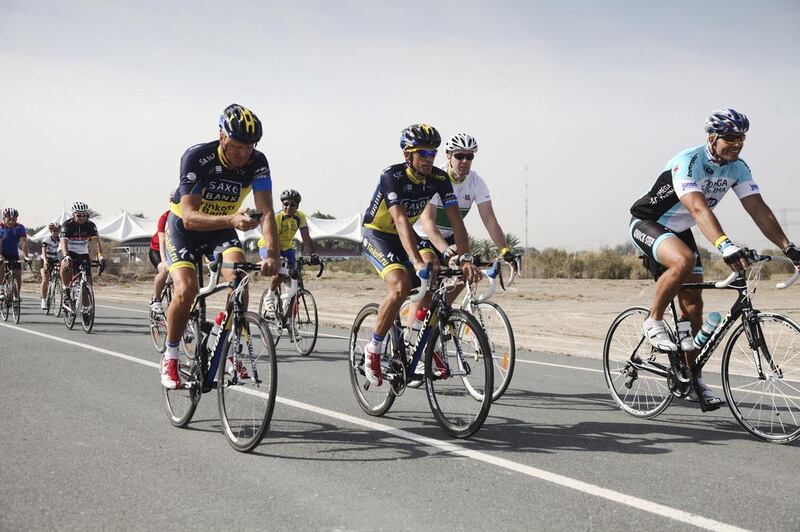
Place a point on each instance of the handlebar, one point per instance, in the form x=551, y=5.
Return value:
x=755, y=257
x=425, y=281
x=492, y=274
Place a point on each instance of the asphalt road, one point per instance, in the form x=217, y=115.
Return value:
x=85, y=445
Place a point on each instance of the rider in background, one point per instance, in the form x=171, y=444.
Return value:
x=159, y=261
x=14, y=237
x=50, y=245
x=390, y=242
x=689, y=187
x=76, y=235
x=289, y=220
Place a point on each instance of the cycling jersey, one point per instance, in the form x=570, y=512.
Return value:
x=398, y=185
x=472, y=190
x=11, y=237
x=78, y=235
x=287, y=228
x=222, y=189
x=692, y=170
x=50, y=245
x=162, y=223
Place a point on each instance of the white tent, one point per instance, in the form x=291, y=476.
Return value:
x=319, y=228
x=44, y=231
x=125, y=228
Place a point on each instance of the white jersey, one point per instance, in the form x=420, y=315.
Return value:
x=471, y=190
x=51, y=246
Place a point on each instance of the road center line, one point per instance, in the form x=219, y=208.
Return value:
x=460, y=450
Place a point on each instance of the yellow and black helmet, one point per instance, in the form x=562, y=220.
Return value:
x=417, y=135
x=240, y=123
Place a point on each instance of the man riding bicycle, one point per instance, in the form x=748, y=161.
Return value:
x=390, y=242
x=289, y=220
x=15, y=236
x=684, y=195
x=50, y=245
x=76, y=234
x=215, y=178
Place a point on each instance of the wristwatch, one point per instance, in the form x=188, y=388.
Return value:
x=465, y=257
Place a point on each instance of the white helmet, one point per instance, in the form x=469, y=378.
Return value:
x=80, y=207
x=461, y=142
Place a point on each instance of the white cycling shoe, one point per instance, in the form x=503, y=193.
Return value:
x=656, y=333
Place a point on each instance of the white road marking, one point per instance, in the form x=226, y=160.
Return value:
x=534, y=472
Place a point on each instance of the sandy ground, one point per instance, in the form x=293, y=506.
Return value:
x=556, y=315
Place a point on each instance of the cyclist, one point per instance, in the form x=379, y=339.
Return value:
x=469, y=188
x=289, y=221
x=14, y=237
x=390, y=242
x=691, y=184
x=76, y=235
x=159, y=262
x=50, y=245
x=215, y=178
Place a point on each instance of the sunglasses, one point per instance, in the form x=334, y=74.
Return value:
x=81, y=215
x=733, y=137
x=289, y=204
x=462, y=156
x=426, y=153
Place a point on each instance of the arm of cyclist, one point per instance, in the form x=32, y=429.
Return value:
x=471, y=273
x=407, y=236
x=269, y=229
x=428, y=222
x=709, y=225
x=194, y=220
x=489, y=220
x=765, y=219
x=308, y=244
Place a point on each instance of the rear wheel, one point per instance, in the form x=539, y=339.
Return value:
x=374, y=400
x=304, y=324
x=247, y=382
x=762, y=382
x=58, y=298
x=5, y=304
x=635, y=372
x=87, y=307
x=180, y=404
x=459, y=374
x=498, y=331
x=16, y=308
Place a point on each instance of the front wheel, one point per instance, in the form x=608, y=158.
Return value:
x=58, y=298
x=87, y=308
x=5, y=304
x=498, y=330
x=16, y=308
x=635, y=372
x=374, y=400
x=761, y=377
x=69, y=307
x=247, y=381
x=459, y=374
x=180, y=404
x=304, y=324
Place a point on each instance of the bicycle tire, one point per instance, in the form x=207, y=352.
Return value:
x=158, y=330
x=87, y=308
x=273, y=317
x=374, y=400
x=304, y=322
x=450, y=379
x=642, y=397
x=247, y=382
x=70, y=315
x=58, y=298
x=498, y=330
x=48, y=298
x=181, y=404
x=767, y=404
x=5, y=304
x=16, y=303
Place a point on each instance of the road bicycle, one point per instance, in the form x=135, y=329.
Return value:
x=78, y=296
x=157, y=320
x=297, y=311
x=11, y=303
x=760, y=364
x=457, y=370
x=239, y=362
x=55, y=293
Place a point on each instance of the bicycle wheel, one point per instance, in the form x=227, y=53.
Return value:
x=180, y=404
x=269, y=310
x=69, y=312
x=498, y=330
x=247, y=382
x=87, y=308
x=304, y=324
x=458, y=369
x=158, y=330
x=5, y=304
x=634, y=371
x=374, y=400
x=16, y=307
x=762, y=383
x=58, y=298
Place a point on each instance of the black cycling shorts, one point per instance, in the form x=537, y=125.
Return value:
x=386, y=252
x=647, y=235
x=184, y=247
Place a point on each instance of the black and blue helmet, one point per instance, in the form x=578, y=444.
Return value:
x=727, y=121
x=417, y=135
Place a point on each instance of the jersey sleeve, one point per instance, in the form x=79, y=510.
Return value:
x=445, y=191
x=745, y=186
x=301, y=220
x=262, y=178
x=162, y=223
x=684, y=171
x=190, y=181
x=481, y=191
x=391, y=188
x=92, y=230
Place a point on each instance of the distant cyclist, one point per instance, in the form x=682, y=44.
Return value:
x=390, y=242
x=159, y=261
x=50, y=245
x=215, y=179
x=78, y=237
x=290, y=220
x=689, y=187
x=15, y=237
x=470, y=189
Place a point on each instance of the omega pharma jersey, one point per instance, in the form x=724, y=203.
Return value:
x=287, y=228
x=399, y=186
x=692, y=170
x=471, y=190
x=222, y=189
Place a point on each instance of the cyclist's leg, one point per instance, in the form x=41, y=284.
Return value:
x=429, y=254
x=227, y=243
x=45, y=273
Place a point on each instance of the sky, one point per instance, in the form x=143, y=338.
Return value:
x=576, y=105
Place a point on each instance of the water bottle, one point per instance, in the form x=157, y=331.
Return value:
x=213, y=336
x=685, y=335
x=709, y=326
x=416, y=324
